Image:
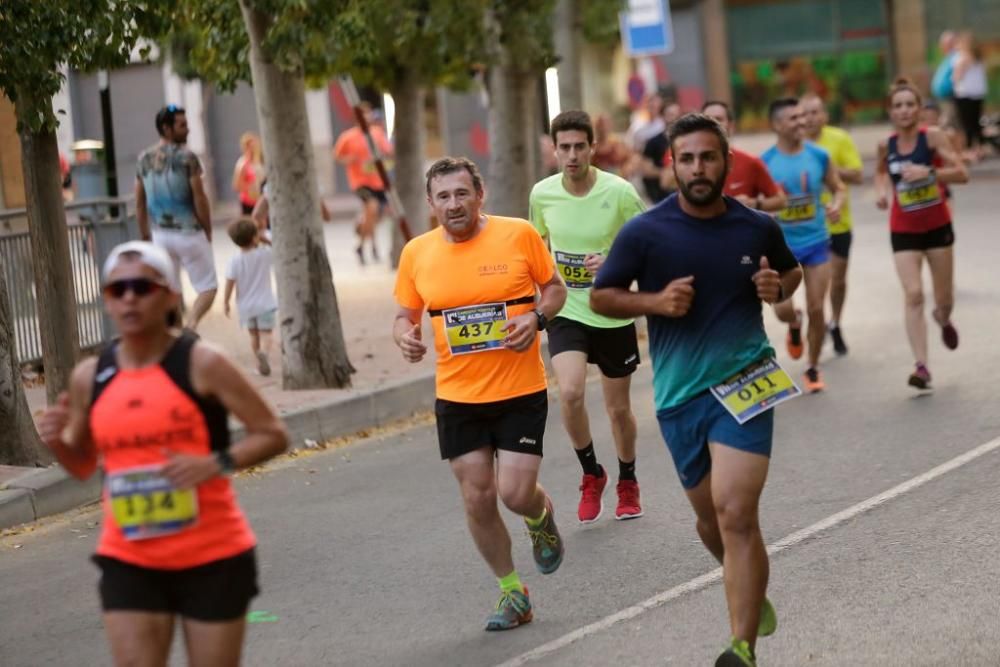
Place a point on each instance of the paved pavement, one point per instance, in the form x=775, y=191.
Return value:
x=365, y=559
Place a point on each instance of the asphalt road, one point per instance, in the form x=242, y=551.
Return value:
x=365, y=559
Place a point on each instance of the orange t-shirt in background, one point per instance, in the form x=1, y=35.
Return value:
x=352, y=143
x=505, y=262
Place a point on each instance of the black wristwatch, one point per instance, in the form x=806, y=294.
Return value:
x=542, y=320
x=225, y=461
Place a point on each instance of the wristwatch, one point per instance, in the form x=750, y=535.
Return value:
x=542, y=320
x=225, y=461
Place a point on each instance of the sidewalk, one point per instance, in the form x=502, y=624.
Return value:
x=364, y=294
x=384, y=389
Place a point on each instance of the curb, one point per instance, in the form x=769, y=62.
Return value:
x=43, y=492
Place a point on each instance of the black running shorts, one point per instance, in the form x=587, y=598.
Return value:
x=942, y=237
x=217, y=591
x=365, y=193
x=615, y=350
x=840, y=244
x=514, y=425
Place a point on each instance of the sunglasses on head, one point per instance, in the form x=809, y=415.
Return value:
x=138, y=286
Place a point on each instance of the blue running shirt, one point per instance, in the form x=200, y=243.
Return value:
x=800, y=175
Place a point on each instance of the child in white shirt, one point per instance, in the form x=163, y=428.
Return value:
x=250, y=273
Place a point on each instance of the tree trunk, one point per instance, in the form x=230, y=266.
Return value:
x=566, y=34
x=533, y=119
x=19, y=444
x=512, y=135
x=411, y=141
x=54, y=293
x=312, y=342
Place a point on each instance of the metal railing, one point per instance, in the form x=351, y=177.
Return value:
x=93, y=232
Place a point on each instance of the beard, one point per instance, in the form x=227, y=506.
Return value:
x=706, y=198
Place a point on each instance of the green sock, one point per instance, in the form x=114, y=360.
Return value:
x=511, y=582
x=536, y=523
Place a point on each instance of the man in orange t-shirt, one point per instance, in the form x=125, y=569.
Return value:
x=352, y=151
x=477, y=276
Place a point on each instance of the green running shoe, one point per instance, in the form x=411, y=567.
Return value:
x=513, y=609
x=738, y=654
x=768, y=620
x=547, y=545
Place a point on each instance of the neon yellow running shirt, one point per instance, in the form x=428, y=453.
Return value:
x=844, y=155
x=576, y=226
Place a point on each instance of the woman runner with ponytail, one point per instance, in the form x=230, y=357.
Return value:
x=913, y=166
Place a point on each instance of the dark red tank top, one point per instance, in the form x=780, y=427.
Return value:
x=136, y=417
x=916, y=207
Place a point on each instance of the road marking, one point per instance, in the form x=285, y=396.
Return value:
x=715, y=575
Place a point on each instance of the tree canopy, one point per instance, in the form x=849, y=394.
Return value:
x=38, y=38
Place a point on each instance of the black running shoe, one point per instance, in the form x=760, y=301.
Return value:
x=839, y=346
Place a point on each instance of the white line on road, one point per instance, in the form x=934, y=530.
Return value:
x=715, y=575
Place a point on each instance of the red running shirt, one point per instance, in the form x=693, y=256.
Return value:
x=136, y=416
x=917, y=207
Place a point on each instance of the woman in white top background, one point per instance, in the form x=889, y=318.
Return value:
x=969, y=79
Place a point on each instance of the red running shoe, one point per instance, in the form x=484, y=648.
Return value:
x=628, y=500
x=591, y=500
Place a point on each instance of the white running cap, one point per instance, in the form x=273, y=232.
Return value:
x=151, y=255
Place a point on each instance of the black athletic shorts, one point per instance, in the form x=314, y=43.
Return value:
x=514, y=425
x=840, y=244
x=615, y=350
x=365, y=193
x=942, y=237
x=217, y=591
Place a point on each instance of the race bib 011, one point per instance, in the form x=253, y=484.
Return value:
x=800, y=208
x=571, y=268
x=475, y=328
x=755, y=390
x=144, y=504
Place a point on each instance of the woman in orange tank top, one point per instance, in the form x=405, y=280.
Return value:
x=152, y=412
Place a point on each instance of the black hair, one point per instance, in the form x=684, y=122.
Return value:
x=572, y=120
x=165, y=118
x=781, y=104
x=698, y=122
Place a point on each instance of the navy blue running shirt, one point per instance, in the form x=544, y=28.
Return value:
x=723, y=332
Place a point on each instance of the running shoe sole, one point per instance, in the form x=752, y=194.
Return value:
x=730, y=659
x=626, y=517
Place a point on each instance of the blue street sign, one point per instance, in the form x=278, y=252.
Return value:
x=646, y=28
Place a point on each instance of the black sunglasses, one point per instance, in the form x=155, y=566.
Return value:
x=138, y=286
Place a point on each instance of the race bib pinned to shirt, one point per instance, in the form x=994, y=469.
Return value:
x=920, y=194
x=572, y=269
x=472, y=329
x=144, y=504
x=755, y=390
x=800, y=208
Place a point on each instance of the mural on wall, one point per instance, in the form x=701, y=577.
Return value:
x=852, y=83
